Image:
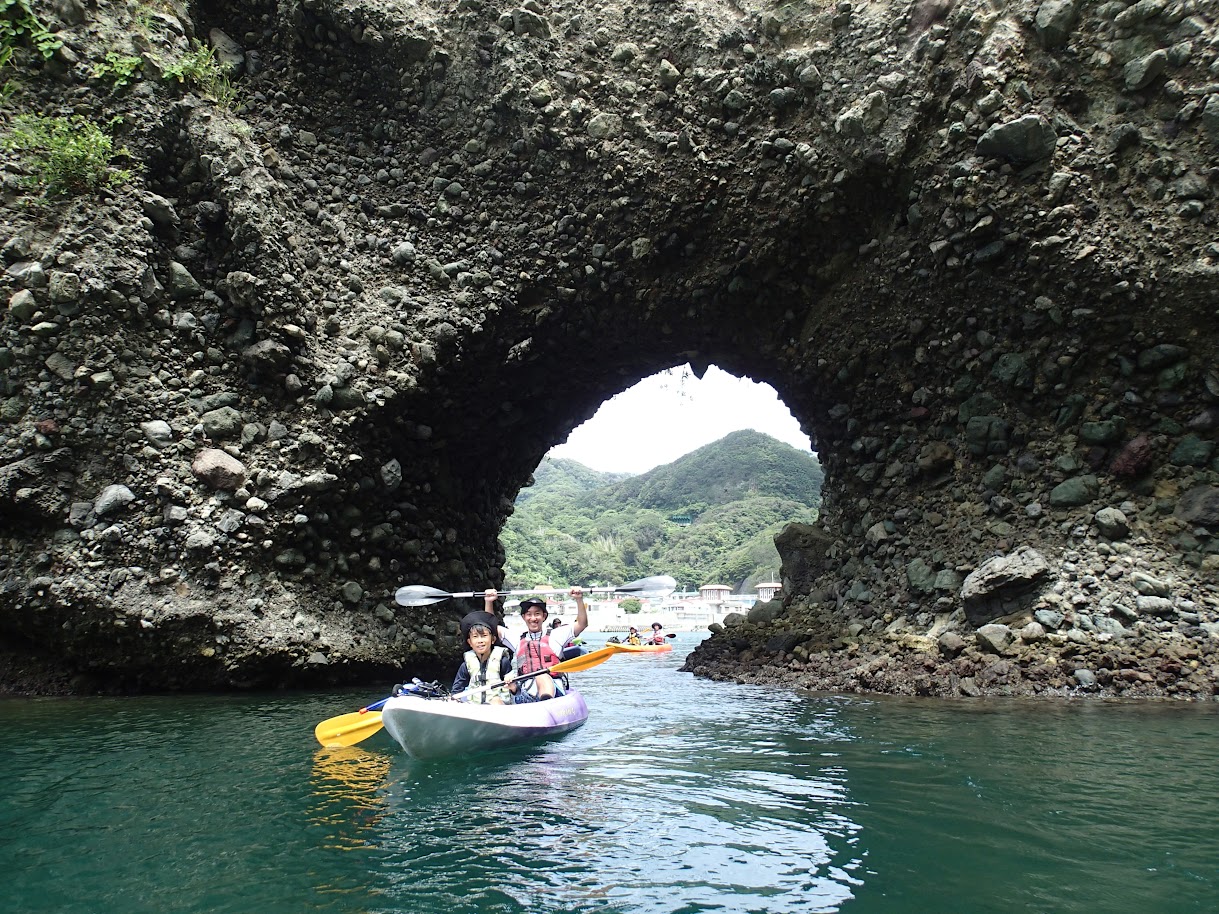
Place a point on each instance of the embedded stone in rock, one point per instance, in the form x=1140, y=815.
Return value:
x=920, y=576
x=524, y=22
x=1148, y=586
x=1199, y=506
x=160, y=211
x=22, y=305
x=181, y=283
x=1025, y=140
x=391, y=474
x=1142, y=72
x=1210, y=119
x=268, y=356
x=995, y=638
x=158, y=433
x=224, y=422
x=1052, y=619
x=111, y=499
x=951, y=644
x=761, y=613
x=1032, y=633
x=229, y=54
x=1112, y=523
x=604, y=126
x=1154, y=606
x=1134, y=459
x=997, y=585
x=64, y=287
x=1054, y=21
x=218, y=469
x=1075, y=492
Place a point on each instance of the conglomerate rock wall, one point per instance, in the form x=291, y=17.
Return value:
x=314, y=345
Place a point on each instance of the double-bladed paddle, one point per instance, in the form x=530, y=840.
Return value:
x=422, y=595
x=574, y=665
x=349, y=729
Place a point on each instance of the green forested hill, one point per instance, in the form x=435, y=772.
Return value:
x=566, y=478
x=708, y=517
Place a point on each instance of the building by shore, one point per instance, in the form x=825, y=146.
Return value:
x=677, y=612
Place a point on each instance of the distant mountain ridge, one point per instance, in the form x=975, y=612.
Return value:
x=708, y=517
x=568, y=477
x=742, y=464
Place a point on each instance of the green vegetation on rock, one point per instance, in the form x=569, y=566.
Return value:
x=18, y=24
x=199, y=69
x=118, y=69
x=575, y=524
x=65, y=155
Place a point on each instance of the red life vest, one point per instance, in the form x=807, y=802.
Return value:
x=534, y=655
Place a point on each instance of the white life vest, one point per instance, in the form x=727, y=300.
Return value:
x=480, y=673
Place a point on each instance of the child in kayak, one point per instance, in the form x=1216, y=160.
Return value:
x=633, y=636
x=485, y=663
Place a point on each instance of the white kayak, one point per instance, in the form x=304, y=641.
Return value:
x=436, y=728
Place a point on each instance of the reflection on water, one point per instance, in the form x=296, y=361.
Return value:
x=677, y=796
x=348, y=793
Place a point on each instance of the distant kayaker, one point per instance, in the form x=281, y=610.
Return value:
x=485, y=663
x=657, y=636
x=571, y=648
x=540, y=649
x=632, y=636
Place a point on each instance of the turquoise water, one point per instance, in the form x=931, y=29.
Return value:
x=678, y=795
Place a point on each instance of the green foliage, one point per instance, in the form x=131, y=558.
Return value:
x=577, y=525
x=65, y=155
x=200, y=70
x=631, y=605
x=19, y=24
x=737, y=466
x=118, y=69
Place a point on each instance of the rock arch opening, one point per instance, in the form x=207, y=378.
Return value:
x=680, y=475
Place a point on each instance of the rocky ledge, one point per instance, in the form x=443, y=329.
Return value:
x=1096, y=627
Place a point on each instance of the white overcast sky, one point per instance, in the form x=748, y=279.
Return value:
x=673, y=413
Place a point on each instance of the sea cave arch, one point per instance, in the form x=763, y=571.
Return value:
x=970, y=244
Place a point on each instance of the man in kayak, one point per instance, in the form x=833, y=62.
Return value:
x=657, y=634
x=540, y=649
x=485, y=663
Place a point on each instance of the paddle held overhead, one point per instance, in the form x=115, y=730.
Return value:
x=422, y=595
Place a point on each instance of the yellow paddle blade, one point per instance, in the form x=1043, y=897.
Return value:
x=585, y=661
x=348, y=729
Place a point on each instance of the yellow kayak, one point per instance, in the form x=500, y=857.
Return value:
x=641, y=648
